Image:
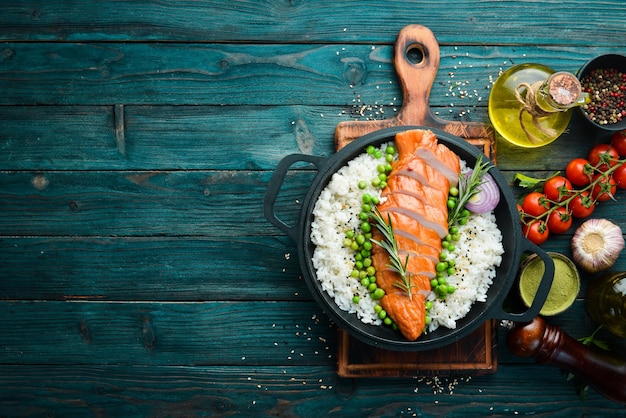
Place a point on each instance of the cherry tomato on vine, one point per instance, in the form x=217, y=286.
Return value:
x=603, y=156
x=557, y=188
x=582, y=206
x=559, y=220
x=604, y=189
x=618, y=141
x=579, y=172
x=520, y=211
x=619, y=175
x=536, y=231
x=535, y=204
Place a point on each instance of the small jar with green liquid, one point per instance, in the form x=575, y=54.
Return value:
x=529, y=104
x=606, y=301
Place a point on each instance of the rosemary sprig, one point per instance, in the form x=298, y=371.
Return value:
x=390, y=245
x=467, y=188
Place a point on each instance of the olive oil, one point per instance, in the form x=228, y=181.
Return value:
x=606, y=301
x=531, y=118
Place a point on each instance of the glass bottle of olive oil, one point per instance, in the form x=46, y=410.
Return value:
x=606, y=301
x=529, y=103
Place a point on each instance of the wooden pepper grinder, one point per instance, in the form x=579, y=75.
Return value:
x=603, y=371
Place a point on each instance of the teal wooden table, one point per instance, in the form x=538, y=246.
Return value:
x=138, y=276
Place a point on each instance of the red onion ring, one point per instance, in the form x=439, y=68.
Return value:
x=487, y=197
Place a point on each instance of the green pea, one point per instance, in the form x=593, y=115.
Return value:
x=462, y=221
x=428, y=305
x=372, y=287
x=363, y=216
x=382, y=177
x=365, y=282
x=454, y=191
x=358, y=257
x=376, y=182
x=389, y=158
x=366, y=227
x=347, y=242
x=378, y=153
x=378, y=293
x=360, y=239
x=427, y=320
x=394, y=326
x=354, y=274
x=355, y=299
x=354, y=246
x=366, y=198
x=366, y=253
x=382, y=314
x=370, y=149
x=456, y=237
x=390, y=149
x=367, y=245
x=388, y=168
x=380, y=168
x=387, y=321
x=451, y=262
x=443, y=255
x=362, y=184
x=451, y=271
x=442, y=281
x=454, y=230
x=451, y=203
x=434, y=283
x=451, y=248
x=448, y=237
x=382, y=185
x=377, y=308
x=365, y=207
x=375, y=200
x=358, y=265
x=442, y=266
x=367, y=262
x=372, y=279
x=450, y=289
x=362, y=274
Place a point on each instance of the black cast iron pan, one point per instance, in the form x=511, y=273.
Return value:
x=507, y=218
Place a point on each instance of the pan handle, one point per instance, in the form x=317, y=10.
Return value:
x=542, y=291
x=273, y=189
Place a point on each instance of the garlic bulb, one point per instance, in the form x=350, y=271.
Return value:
x=596, y=245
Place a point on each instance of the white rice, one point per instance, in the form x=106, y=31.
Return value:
x=478, y=252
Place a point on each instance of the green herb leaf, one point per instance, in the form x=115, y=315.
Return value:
x=390, y=245
x=528, y=182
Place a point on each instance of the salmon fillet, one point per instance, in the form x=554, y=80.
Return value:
x=413, y=207
x=415, y=202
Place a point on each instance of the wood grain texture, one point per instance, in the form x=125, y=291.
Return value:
x=286, y=390
x=137, y=276
x=112, y=73
x=464, y=22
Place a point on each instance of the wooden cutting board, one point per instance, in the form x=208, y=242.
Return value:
x=416, y=59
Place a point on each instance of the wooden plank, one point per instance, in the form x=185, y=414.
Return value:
x=220, y=74
x=347, y=21
x=144, y=203
x=161, y=268
x=288, y=390
x=240, y=333
x=163, y=333
x=196, y=137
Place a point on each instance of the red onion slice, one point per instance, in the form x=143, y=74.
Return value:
x=487, y=197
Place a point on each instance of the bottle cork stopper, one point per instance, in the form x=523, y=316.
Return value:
x=564, y=88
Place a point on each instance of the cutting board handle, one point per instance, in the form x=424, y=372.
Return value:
x=416, y=58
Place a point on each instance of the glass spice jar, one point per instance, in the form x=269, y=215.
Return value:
x=606, y=301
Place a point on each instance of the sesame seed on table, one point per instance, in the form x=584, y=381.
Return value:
x=139, y=276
